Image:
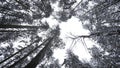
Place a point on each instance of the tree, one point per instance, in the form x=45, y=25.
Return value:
x=73, y=61
x=51, y=63
x=17, y=22
x=22, y=21
x=34, y=62
x=39, y=56
x=47, y=47
x=13, y=15
x=102, y=21
x=66, y=11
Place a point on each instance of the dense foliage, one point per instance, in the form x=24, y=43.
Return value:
x=26, y=41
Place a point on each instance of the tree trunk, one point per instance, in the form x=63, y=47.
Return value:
x=13, y=65
x=19, y=26
x=35, y=61
x=17, y=30
x=19, y=51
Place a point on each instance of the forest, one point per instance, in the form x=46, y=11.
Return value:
x=27, y=39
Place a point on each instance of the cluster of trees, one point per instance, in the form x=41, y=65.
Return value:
x=20, y=26
x=102, y=20
x=20, y=22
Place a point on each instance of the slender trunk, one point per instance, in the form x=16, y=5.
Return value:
x=16, y=30
x=35, y=61
x=19, y=51
x=18, y=26
x=111, y=21
x=13, y=65
x=77, y=5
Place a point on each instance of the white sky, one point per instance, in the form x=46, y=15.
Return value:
x=73, y=26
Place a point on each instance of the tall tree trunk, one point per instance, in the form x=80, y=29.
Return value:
x=35, y=61
x=18, y=30
x=20, y=26
x=13, y=65
x=19, y=51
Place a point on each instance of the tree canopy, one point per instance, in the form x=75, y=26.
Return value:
x=27, y=41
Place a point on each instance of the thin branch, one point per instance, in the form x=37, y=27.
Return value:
x=97, y=34
x=77, y=5
x=74, y=44
x=71, y=44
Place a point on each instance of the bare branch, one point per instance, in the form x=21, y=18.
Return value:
x=97, y=34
